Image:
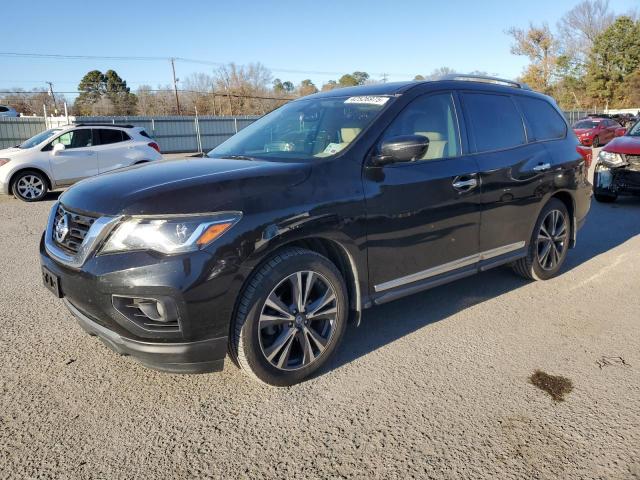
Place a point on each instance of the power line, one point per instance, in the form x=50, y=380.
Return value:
x=217, y=94
x=179, y=59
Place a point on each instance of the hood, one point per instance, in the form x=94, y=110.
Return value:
x=10, y=152
x=195, y=185
x=582, y=131
x=625, y=144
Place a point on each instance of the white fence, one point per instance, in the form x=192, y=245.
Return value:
x=173, y=134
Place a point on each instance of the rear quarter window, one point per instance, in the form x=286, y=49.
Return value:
x=544, y=121
x=494, y=121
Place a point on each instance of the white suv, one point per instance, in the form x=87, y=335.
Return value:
x=61, y=156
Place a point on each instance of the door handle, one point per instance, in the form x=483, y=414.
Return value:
x=465, y=185
x=542, y=167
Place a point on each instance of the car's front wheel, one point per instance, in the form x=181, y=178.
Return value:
x=29, y=186
x=548, y=245
x=291, y=317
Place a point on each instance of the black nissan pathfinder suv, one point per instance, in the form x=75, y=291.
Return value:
x=327, y=206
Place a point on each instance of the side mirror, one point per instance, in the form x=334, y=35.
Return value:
x=58, y=148
x=403, y=148
x=620, y=132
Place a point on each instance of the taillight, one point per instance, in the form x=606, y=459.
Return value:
x=586, y=153
x=155, y=146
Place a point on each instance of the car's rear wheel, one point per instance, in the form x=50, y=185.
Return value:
x=596, y=142
x=29, y=186
x=548, y=245
x=291, y=317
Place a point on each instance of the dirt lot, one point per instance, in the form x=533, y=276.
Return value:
x=435, y=385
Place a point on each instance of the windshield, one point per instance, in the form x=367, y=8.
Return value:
x=305, y=129
x=586, y=124
x=39, y=138
x=635, y=130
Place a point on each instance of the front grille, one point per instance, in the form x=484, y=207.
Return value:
x=78, y=226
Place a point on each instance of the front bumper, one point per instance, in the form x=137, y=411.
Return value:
x=624, y=180
x=186, y=357
x=204, y=303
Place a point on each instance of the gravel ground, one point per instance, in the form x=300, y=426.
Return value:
x=435, y=385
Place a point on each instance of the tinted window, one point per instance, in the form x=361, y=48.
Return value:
x=434, y=117
x=494, y=121
x=106, y=136
x=544, y=121
x=144, y=133
x=73, y=139
x=4, y=109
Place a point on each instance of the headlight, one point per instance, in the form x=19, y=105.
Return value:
x=611, y=159
x=4, y=161
x=171, y=234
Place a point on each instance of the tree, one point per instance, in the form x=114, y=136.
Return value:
x=418, y=78
x=120, y=96
x=330, y=85
x=631, y=89
x=579, y=28
x=347, y=80
x=283, y=87
x=361, y=77
x=615, y=55
x=91, y=88
x=307, y=87
x=104, y=94
x=539, y=45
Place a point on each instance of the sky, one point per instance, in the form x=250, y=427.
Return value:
x=320, y=39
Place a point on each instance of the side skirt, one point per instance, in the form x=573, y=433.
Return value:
x=467, y=271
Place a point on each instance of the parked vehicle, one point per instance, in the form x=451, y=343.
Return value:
x=593, y=132
x=59, y=157
x=7, y=111
x=327, y=206
x=617, y=171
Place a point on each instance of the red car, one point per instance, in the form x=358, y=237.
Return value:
x=593, y=132
x=618, y=169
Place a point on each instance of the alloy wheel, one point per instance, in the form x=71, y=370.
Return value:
x=552, y=239
x=30, y=187
x=298, y=320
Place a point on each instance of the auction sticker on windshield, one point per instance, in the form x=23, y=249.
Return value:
x=368, y=99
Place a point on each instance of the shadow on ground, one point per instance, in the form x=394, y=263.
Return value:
x=607, y=226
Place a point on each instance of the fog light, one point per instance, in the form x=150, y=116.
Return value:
x=158, y=314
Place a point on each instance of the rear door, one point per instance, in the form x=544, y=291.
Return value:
x=512, y=171
x=78, y=160
x=422, y=216
x=112, y=148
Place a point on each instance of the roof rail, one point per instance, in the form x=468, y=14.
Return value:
x=91, y=124
x=485, y=79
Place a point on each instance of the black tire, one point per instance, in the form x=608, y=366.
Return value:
x=596, y=142
x=605, y=198
x=29, y=186
x=247, y=339
x=530, y=267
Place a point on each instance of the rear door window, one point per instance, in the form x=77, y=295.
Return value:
x=494, y=121
x=544, y=121
x=106, y=136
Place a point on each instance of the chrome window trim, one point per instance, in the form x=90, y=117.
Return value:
x=97, y=232
x=449, y=266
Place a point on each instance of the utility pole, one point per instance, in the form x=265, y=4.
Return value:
x=175, y=83
x=384, y=78
x=55, y=107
